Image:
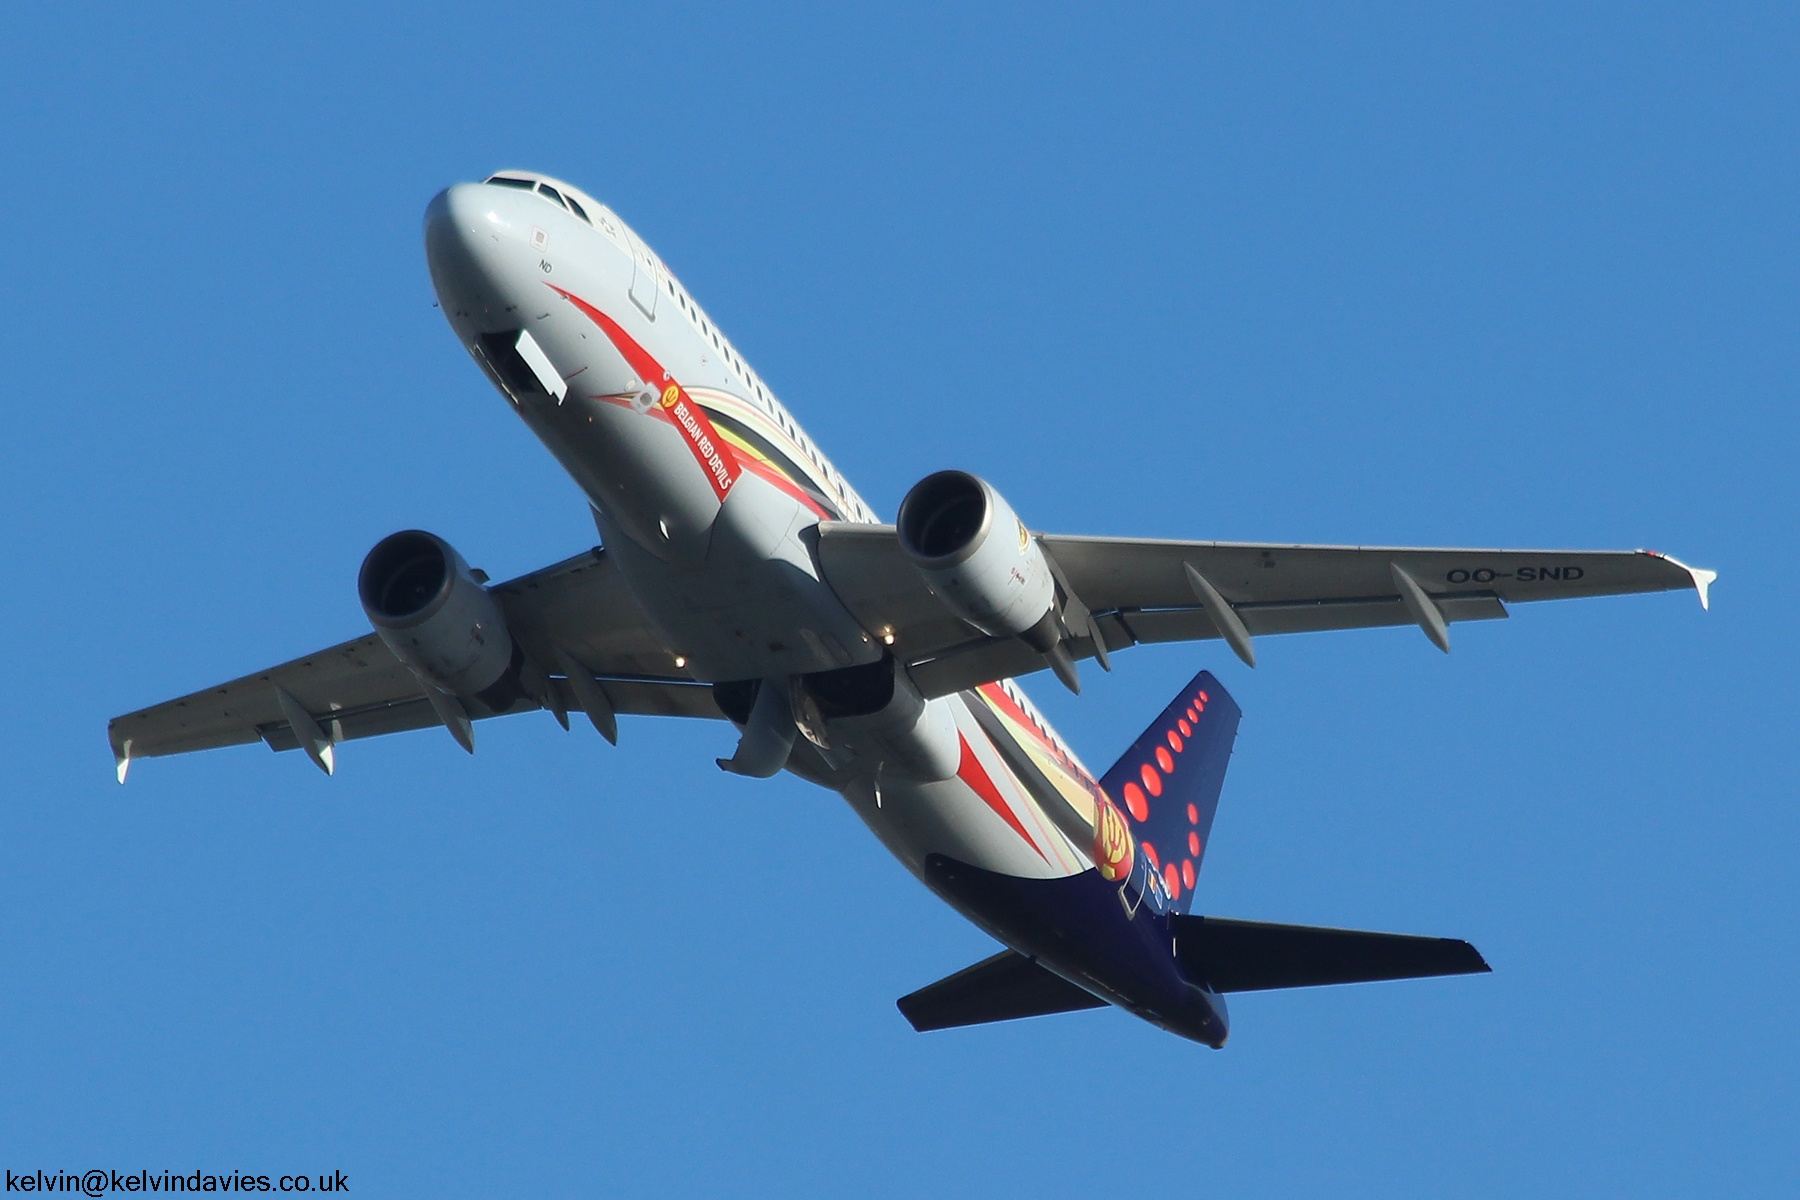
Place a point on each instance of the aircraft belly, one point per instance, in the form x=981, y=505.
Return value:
x=754, y=606
x=983, y=815
x=634, y=469
x=610, y=431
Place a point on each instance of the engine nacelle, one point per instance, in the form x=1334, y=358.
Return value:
x=427, y=606
x=978, y=557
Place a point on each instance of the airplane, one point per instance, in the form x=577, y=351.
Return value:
x=740, y=578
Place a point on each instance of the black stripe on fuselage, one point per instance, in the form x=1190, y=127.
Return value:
x=782, y=462
x=1043, y=793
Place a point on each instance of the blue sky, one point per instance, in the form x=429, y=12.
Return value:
x=1413, y=274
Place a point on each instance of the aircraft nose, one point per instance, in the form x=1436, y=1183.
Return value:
x=475, y=241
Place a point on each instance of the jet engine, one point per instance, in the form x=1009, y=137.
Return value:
x=433, y=613
x=979, y=559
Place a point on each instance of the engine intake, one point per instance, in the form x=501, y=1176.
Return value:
x=978, y=557
x=426, y=604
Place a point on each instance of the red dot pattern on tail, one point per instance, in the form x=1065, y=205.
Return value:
x=1152, y=774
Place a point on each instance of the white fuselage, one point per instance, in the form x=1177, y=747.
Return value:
x=706, y=492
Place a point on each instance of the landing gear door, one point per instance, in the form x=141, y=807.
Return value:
x=643, y=279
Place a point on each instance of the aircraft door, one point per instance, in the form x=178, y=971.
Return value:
x=643, y=278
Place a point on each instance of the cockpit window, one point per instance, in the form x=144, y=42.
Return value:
x=543, y=189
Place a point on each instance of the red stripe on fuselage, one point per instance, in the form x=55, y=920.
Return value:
x=975, y=775
x=710, y=450
x=1008, y=706
x=783, y=484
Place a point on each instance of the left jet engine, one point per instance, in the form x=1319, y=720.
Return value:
x=978, y=558
x=433, y=613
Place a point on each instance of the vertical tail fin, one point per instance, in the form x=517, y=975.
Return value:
x=1168, y=782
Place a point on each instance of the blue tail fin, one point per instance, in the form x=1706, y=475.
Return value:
x=1168, y=782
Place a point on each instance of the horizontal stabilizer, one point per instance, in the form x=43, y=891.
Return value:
x=1002, y=988
x=1250, y=956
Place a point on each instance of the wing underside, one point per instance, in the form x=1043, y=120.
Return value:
x=1134, y=591
x=358, y=689
x=1143, y=591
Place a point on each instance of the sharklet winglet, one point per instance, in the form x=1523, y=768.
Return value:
x=1703, y=578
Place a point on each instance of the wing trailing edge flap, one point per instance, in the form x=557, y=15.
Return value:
x=1006, y=987
x=1251, y=956
x=252, y=708
x=1137, y=591
x=979, y=660
x=632, y=697
x=577, y=609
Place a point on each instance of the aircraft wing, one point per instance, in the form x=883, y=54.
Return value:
x=359, y=689
x=1137, y=590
